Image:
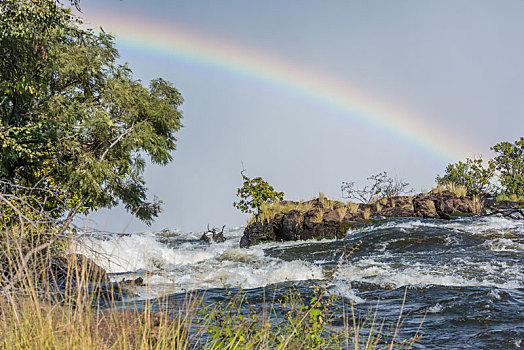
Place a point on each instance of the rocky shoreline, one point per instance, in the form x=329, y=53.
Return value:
x=321, y=221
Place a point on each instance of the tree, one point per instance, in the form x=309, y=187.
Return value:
x=74, y=120
x=382, y=185
x=254, y=193
x=509, y=162
x=471, y=174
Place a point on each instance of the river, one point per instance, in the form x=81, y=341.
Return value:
x=464, y=278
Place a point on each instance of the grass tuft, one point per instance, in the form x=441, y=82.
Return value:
x=459, y=190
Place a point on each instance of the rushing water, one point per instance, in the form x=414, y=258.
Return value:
x=466, y=275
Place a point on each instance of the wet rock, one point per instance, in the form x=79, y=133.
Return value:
x=138, y=282
x=511, y=213
x=291, y=226
x=330, y=222
x=258, y=232
x=216, y=236
x=296, y=225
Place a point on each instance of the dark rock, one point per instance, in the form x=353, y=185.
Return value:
x=332, y=216
x=495, y=205
x=330, y=222
x=296, y=225
x=438, y=207
x=311, y=218
x=138, y=282
x=448, y=203
x=257, y=232
x=217, y=237
x=397, y=211
x=291, y=226
x=424, y=206
x=512, y=213
x=205, y=238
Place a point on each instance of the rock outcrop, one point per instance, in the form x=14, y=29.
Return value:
x=295, y=225
x=332, y=221
x=445, y=202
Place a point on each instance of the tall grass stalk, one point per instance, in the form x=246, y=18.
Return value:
x=46, y=311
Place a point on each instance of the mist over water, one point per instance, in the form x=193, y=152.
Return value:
x=466, y=274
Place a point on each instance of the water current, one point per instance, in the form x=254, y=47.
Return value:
x=466, y=275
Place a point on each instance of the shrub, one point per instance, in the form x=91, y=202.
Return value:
x=471, y=174
x=509, y=162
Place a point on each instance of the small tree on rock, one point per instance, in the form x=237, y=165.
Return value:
x=255, y=192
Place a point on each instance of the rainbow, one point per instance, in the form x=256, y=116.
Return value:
x=185, y=45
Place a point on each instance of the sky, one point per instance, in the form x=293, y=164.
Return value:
x=308, y=94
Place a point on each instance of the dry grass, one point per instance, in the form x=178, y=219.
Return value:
x=65, y=313
x=270, y=210
x=478, y=204
x=459, y=190
x=341, y=211
x=353, y=207
x=318, y=216
x=34, y=316
x=327, y=203
x=367, y=213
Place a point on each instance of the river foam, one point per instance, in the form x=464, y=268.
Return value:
x=187, y=263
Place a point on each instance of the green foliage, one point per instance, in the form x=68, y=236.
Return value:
x=509, y=162
x=509, y=197
x=254, y=193
x=75, y=120
x=307, y=323
x=471, y=174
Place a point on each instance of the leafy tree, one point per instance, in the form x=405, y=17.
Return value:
x=74, y=120
x=509, y=162
x=471, y=174
x=382, y=185
x=255, y=192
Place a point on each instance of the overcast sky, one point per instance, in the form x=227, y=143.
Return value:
x=456, y=66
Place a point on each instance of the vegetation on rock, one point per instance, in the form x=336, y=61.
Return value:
x=476, y=178
x=507, y=168
x=254, y=193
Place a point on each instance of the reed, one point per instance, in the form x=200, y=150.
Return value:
x=457, y=189
x=352, y=207
x=478, y=204
x=68, y=309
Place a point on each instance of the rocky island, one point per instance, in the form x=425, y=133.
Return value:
x=321, y=218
